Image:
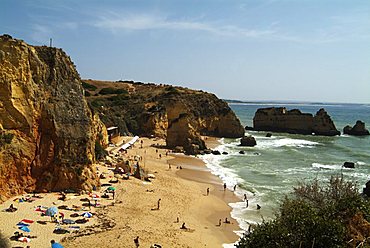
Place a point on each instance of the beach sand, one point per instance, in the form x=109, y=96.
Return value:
x=183, y=196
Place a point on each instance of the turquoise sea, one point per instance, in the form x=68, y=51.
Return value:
x=271, y=169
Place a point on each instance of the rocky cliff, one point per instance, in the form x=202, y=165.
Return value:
x=47, y=131
x=179, y=115
x=294, y=121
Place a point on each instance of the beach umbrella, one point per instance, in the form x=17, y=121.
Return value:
x=69, y=221
x=87, y=215
x=94, y=195
x=22, y=224
x=51, y=211
x=111, y=188
x=56, y=245
x=27, y=221
x=24, y=228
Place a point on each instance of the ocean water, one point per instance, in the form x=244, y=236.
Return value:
x=271, y=169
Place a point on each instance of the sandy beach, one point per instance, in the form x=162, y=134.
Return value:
x=133, y=212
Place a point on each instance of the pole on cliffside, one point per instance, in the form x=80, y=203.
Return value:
x=51, y=42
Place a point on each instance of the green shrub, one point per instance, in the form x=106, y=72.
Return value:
x=119, y=99
x=109, y=91
x=88, y=86
x=6, y=138
x=314, y=215
x=4, y=243
x=99, y=151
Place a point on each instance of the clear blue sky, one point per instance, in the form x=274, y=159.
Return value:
x=317, y=50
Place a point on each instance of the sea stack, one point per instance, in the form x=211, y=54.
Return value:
x=294, y=121
x=357, y=130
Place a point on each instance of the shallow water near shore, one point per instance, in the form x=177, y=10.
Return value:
x=271, y=169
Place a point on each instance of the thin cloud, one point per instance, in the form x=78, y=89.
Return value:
x=41, y=34
x=152, y=22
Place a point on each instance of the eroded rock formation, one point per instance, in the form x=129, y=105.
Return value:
x=52, y=129
x=358, y=129
x=294, y=121
x=248, y=141
x=177, y=114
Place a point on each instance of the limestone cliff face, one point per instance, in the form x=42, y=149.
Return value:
x=177, y=114
x=43, y=108
x=294, y=121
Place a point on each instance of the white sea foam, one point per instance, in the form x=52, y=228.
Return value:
x=230, y=177
x=284, y=142
x=327, y=166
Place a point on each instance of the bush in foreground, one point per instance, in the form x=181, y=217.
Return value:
x=4, y=243
x=316, y=215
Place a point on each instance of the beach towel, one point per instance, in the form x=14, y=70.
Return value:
x=24, y=239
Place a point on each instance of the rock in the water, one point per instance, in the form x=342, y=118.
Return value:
x=207, y=151
x=268, y=135
x=241, y=152
x=225, y=153
x=349, y=165
x=216, y=152
x=248, y=141
x=248, y=128
x=366, y=190
x=358, y=129
x=294, y=121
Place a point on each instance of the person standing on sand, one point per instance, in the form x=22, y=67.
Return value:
x=136, y=241
x=158, y=203
x=207, y=191
x=219, y=222
x=224, y=186
x=183, y=226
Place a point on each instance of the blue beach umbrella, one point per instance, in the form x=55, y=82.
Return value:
x=56, y=245
x=22, y=224
x=25, y=229
x=87, y=215
x=51, y=211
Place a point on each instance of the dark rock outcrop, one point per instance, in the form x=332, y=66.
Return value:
x=248, y=141
x=52, y=129
x=349, y=165
x=366, y=190
x=357, y=130
x=216, y=152
x=179, y=115
x=294, y=121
